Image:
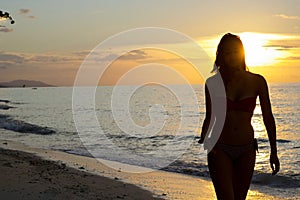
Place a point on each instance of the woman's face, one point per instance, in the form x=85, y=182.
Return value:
x=233, y=55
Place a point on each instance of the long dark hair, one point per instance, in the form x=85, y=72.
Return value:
x=219, y=62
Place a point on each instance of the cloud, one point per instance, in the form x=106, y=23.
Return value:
x=51, y=58
x=134, y=55
x=11, y=58
x=56, y=67
x=14, y=59
x=26, y=13
x=291, y=58
x=3, y=65
x=283, y=16
x=82, y=53
x=6, y=30
x=286, y=43
x=31, y=17
x=107, y=56
x=282, y=47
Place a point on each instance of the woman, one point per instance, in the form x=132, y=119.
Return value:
x=231, y=161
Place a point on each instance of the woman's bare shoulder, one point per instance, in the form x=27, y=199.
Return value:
x=256, y=77
x=258, y=81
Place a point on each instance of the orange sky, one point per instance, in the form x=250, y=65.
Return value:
x=51, y=47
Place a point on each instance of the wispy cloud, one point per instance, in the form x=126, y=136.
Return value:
x=290, y=47
x=54, y=58
x=11, y=57
x=134, y=55
x=283, y=16
x=96, y=56
x=3, y=66
x=26, y=13
x=293, y=58
x=281, y=47
x=10, y=60
x=56, y=67
x=290, y=43
x=6, y=30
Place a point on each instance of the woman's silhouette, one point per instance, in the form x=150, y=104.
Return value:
x=231, y=161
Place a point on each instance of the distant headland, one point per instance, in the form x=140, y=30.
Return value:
x=24, y=83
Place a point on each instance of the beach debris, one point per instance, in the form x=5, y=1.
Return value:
x=63, y=165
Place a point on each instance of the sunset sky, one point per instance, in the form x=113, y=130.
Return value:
x=51, y=39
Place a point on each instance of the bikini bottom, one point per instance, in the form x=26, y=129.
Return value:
x=235, y=151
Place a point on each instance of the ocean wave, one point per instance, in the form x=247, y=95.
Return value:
x=5, y=107
x=262, y=140
x=277, y=181
x=259, y=178
x=6, y=122
x=78, y=151
x=4, y=101
x=283, y=141
x=195, y=169
x=152, y=137
x=130, y=137
x=11, y=102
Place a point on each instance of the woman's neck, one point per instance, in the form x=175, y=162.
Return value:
x=229, y=75
x=230, y=70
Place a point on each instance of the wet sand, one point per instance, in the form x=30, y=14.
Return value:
x=33, y=173
x=26, y=176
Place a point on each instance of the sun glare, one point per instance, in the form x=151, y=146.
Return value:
x=256, y=50
x=258, y=47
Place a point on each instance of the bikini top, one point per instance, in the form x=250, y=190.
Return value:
x=247, y=105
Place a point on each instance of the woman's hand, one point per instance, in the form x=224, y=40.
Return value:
x=274, y=162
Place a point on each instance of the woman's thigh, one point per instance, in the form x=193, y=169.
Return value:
x=221, y=171
x=242, y=173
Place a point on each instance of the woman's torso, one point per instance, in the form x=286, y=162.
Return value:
x=241, y=93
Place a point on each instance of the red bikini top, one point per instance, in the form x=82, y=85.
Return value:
x=248, y=104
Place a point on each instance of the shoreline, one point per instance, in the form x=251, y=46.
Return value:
x=102, y=180
x=27, y=176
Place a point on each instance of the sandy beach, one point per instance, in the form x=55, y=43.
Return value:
x=33, y=173
x=26, y=176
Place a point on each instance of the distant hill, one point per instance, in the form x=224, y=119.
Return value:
x=25, y=83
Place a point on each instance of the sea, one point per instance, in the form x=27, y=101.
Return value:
x=153, y=126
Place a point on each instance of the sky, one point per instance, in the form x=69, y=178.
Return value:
x=51, y=39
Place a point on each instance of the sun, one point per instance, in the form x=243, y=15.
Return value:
x=257, y=51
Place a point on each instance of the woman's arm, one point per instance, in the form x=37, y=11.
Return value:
x=206, y=122
x=269, y=122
